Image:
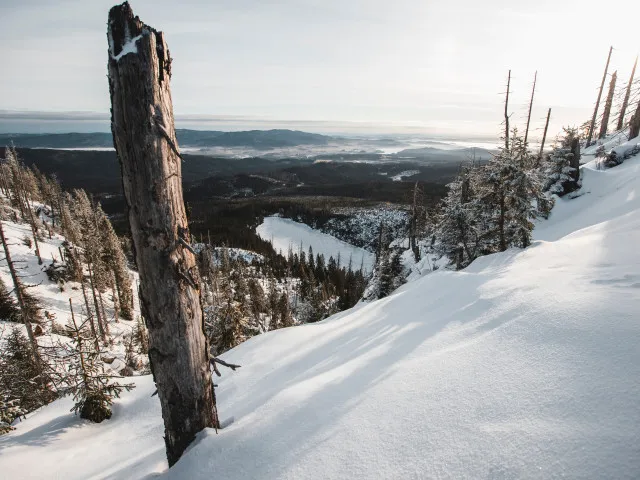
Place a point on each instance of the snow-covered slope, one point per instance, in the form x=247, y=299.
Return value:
x=55, y=302
x=524, y=365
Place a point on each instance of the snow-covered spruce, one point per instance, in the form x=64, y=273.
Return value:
x=68, y=253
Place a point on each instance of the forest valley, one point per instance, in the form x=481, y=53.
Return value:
x=488, y=208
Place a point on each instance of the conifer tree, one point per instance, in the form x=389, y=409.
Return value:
x=86, y=378
x=458, y=223
x=115, y=261
x=416, y=219
x=24, y=385
x=385, y=275
x=509, y=192
x=28, y=305
x=284, y=309
x=9, y=310
x=229, y=329
x=70, y=228
x=257, y=301
x=561, y=170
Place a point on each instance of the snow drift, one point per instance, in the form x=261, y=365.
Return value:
x=524, y=365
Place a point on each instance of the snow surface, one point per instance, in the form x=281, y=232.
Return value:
x=284, y=233
x=129, y=47
x=524, y=365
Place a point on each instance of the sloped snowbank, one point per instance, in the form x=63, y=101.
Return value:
x=524, y=365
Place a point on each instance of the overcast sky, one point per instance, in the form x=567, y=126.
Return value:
x=434, y=67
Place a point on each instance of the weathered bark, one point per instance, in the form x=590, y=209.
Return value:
x=595, y=110
x=634, y=123
x=627, y=95
x=501, y=222
x=90, y=315
x=607, y=106
x=413, y=233
x=506, y=114
x=575, y=160
x=533, y=91
x=379, y=246
x=144, y=137
x=544, y=135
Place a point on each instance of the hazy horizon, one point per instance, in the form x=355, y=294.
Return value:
x=360, y=67
x=95, y=122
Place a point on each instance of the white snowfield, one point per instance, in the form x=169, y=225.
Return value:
x=284, y=233
x=524, y=365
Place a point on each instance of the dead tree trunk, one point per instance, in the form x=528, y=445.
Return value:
x=34, y=228
x=103, y=313
x=379, y=246
x=144, y=137
x=627, y=95
x=634, y=123
x=533, y=91
x=575, y=160
x=413, y=227
x=90, y=315
x=595, y=110
x=101, y=322
x=544, y=135
x=607, y=106
x=506, y=114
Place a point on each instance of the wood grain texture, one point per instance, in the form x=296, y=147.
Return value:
x=142, y=123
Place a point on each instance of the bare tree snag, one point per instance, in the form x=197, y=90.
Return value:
x=634, y=123
x=142, y=124
x=627, y=95
x=575, y=160
x=533, y=91
x=413, y=223
x=101, y=321
x=595, y=110
x=90, y=315
x=607, y=106
x=506, y=114
x=544, y=135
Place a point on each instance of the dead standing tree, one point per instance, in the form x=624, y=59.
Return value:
x=506, y=114
x=533, y=91
x=634, y=123
x=544, y=135
x=595, y=110
x=625, y=102
x=607, y=106
x=144, y=137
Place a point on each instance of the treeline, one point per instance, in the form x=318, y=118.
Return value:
x=70, y=361
x=243, y=298
x=491, y=208
x=488, y=208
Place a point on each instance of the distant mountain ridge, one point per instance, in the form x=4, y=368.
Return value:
x=257, y=139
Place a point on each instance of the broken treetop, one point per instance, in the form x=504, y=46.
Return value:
x=124, y=31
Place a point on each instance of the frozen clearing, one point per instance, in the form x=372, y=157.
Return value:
x=524, y=365
x=284, y=233
x=405, y=174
